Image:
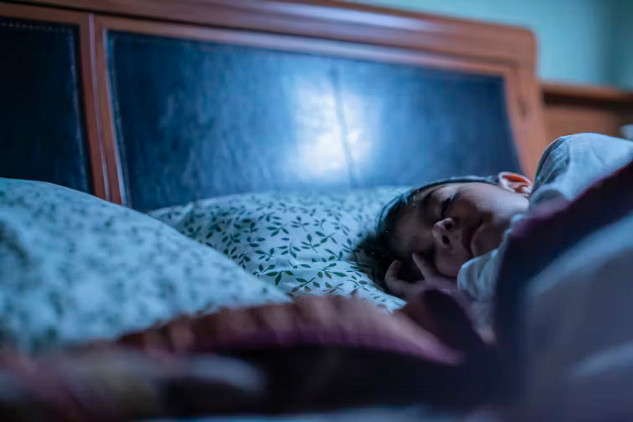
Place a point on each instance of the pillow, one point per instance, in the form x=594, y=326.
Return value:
x=303, y=243
x=75, y=268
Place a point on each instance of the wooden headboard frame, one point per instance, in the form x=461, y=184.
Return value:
x=321, y=26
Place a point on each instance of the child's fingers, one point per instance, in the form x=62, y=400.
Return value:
x=393, y=270
x=394, y=284
x=426, y=268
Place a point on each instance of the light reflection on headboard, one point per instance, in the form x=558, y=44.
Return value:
x=188, y=99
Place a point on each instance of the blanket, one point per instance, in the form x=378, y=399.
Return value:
x=563, y=308
x=317, y=353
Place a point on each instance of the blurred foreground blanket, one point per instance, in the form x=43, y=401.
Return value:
x=317, y=353
x=562, y=320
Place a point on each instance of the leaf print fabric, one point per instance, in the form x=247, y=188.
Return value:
x=75, y=268
x=301, y=243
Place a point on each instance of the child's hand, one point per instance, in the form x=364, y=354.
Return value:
x=431, y=279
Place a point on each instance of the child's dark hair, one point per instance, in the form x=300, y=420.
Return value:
x=379, y=245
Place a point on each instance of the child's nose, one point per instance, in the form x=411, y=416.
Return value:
x=445, y=233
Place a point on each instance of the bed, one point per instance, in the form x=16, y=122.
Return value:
x=270, y=131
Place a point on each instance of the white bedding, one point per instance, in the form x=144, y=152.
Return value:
x=75, y=268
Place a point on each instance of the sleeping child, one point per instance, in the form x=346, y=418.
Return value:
x=451, y=234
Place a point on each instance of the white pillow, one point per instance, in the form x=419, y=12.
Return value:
x=74, y=268
x=303, y=243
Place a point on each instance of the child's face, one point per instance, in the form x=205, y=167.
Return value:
x=452, y=223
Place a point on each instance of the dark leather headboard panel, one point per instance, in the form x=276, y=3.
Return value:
x=42, y=133
x=199, y=119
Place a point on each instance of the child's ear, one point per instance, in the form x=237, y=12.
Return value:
x=515, y=183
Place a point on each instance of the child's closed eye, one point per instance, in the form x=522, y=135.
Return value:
x=446, y=203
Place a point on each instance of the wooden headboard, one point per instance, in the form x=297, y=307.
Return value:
x=155, y=102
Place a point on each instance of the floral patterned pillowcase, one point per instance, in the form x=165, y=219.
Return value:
x=302, y=243
x=74, y=268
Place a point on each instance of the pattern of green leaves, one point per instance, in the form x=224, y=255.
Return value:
x=303, y=243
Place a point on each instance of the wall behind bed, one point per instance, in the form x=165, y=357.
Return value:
x=580, y=41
